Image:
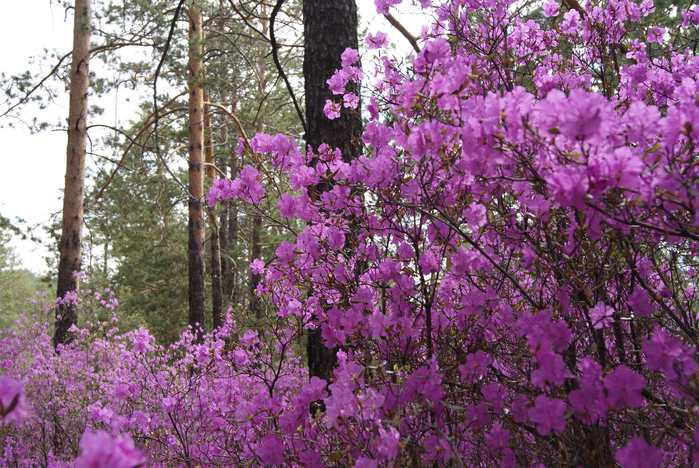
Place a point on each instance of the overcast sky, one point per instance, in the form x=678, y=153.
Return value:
x=33, y=166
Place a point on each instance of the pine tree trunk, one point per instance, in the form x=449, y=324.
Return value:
x=230, y=285
x=71, y=234
x=329, y=28
x=256, y=247
x=197, y=234
x=215, y=246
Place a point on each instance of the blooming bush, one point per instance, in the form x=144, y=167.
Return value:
x=507, y=274
x=107, y=400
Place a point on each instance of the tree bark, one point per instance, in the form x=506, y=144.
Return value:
x=215, y=243
x=256, y=242
x=73, y=196
x=329, y=28
x=197, y=234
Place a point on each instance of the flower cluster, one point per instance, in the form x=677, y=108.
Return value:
x=507, y=273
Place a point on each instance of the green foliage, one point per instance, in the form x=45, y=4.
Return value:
x=18, y=286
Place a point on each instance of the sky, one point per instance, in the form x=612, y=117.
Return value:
x=33, y=166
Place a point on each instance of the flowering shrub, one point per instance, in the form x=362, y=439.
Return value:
x=507, y=273
x=91, y=403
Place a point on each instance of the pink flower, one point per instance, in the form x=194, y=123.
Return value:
x=638, y=454
x=285, y=252
x=332, y=109
x=549, y=414
x=601, y=315
x=589, y=402
x=338, y=82
x=552, y=370
x=257, y=266
x=655, y=34
x=551, y=8
x=271, y=450
x=287, y=206
x=624, y=387
x=377, y=41
x=350, y=100
x=662, y=351
x=438, y=449
x=11, y=400
x=638, y=301
x=99, y=450
x=498, y=438
x=428, y=263
x=349, y=57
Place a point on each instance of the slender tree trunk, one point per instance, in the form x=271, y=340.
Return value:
x=329, y=28
x=215, y=247
x=230, y=278
x=197, y=234
x=71, y=234
x=256, y=247
x=231, y=283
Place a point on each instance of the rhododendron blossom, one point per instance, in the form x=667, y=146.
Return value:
x=506, y=274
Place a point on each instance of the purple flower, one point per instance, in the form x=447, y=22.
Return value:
x=336, y=238
x=11, y=400
x=428, y=263
x=271, y=450
x=285, y=252
x=338, y=82
x=349, y=57
x=99, y=450
x=350, y=100
x=638, y=454
x=438, y=449
x=287, y=206
x=551, y=8
x=638, y=301
x=498, y=438
x=257, y=267
x=589, y=402
x=662, y=351
x=389, y=443
x=569, y=185
x=331, y=109
x=624, y=387
x=552, y=370
x=655, y=34
x=549, y=414
x=364, y=462
x=601, y=315
x=311, y=459
x=383, y=5
x=376, y=41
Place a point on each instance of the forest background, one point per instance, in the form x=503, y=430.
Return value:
x=31, y=217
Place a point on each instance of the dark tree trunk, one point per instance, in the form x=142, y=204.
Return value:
x=230, y=285
x=329, y=28
x=73, y=197
x=255, y=253
x=197, y=234
x=214, y=246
